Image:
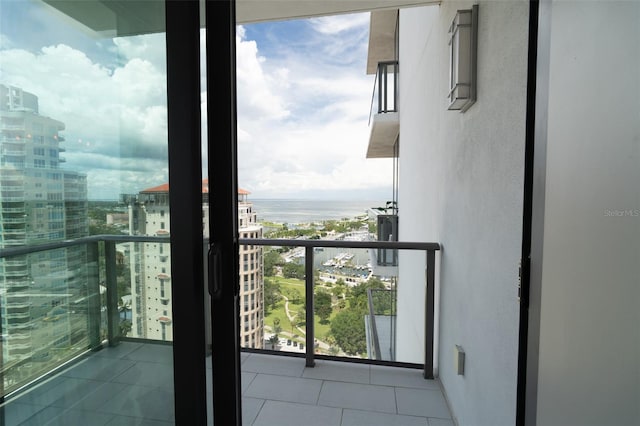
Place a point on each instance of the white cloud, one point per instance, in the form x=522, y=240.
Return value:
x=115, y=119
x=321, y=145
x=151, y=47
x=258, y=90
x=302, y=114
x=339, y=23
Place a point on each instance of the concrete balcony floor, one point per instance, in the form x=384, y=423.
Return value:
x=132, y=384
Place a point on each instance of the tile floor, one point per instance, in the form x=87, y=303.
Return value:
x=131, y=384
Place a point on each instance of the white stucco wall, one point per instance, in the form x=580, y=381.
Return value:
x=461, y=184
x=589, y=351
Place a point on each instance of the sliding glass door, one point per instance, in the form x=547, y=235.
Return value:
x=107, y=280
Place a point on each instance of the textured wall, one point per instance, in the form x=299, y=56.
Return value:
x=461, y=184
x=590, y=320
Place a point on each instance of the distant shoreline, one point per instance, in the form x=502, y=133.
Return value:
x=310, y=211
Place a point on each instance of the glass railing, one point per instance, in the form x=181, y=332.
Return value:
x=325, y=299
x=50, y=309
x=317, y=298
x=58, y=300
x=381, y=323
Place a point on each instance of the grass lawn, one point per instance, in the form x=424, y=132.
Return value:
x=287, y=287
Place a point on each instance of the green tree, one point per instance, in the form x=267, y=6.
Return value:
x=125, y=327
x=273, y=340
x=271, y=260
x=271, y=294
x=103, y=229
x=277, y=329
x=322, y=306
x=347, y=327
x=358, y=293
x=340, y=289
x=293, y=270
x=293, y=295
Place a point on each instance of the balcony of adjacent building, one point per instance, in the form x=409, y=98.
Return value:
x=17, y=284
x=17, y=303
x=384, y=121
x=6, y=125
x=11, y=139
x=12, y=207
x=97, y=372
x=17, y=194
x=7, y=151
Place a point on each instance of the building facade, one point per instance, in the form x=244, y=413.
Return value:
x=579, y=136
x=39, y=202
x=151, y=266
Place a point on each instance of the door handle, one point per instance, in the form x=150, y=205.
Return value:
x=215, y=271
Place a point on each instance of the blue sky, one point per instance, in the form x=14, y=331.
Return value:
x=303, y=103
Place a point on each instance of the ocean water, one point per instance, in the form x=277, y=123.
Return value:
x=305, y=211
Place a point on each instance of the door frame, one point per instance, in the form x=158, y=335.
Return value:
x=223, y=275
x=533, y=211
x=185, y=203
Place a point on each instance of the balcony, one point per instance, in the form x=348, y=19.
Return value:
x=132, y=384
x=5, y=126
x=383, y=118
x=18, y=220
x=11, y=139
x=14, y=153
x=12, y=197
x=12, y=209
x=99, y=375
x=14, y=284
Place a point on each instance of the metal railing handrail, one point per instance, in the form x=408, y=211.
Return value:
x=35, y=248
x=373, y=325
x=401, y=245
x=309, y=245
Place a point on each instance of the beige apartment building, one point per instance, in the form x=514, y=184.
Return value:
x=151, y=282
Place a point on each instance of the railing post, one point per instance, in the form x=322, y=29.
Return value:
x=113, y=316
x=429, y=315
x=380, y=88
x=308, y=270
x=373, y=327
x=93, y=295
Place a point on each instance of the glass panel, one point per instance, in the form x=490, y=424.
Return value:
x=283, y=299
x=355, y=303
x=51, y=311
x=83, y=120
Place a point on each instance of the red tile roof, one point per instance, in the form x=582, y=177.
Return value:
x=160, y=188
x=205, y=188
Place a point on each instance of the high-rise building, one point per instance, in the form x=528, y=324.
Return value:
x=39, y=202
x=151, y=266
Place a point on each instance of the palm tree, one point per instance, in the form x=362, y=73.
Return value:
x=273, y=340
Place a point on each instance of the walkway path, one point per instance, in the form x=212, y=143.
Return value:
x=320, y=343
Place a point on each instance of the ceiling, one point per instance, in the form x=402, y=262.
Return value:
x=130, y=17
